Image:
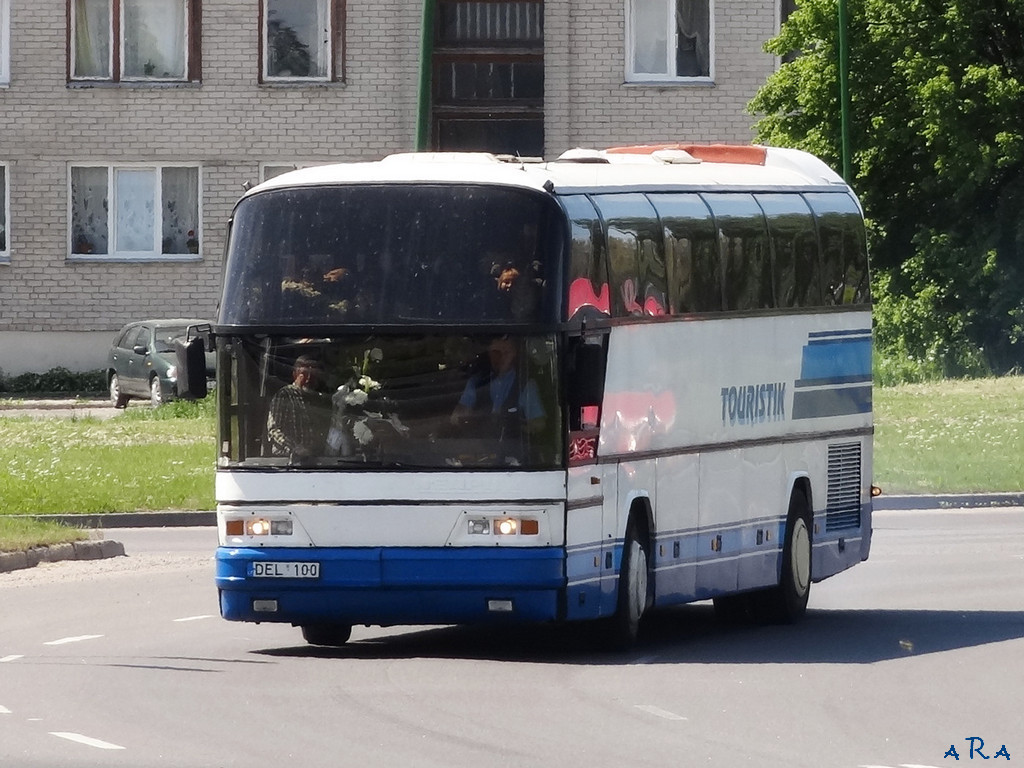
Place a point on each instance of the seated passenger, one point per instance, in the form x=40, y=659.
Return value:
x=299, y=413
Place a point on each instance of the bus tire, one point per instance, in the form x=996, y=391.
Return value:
x=333, y=635
x=787, y=602
x=633, y=591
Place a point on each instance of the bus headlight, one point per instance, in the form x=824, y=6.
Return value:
x=503, y=526
x=259, y=526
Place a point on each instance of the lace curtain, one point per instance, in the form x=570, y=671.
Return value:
x=693, y=46
x=154, y=39
x=92, y=38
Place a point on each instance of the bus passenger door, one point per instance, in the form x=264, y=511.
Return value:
x=591, y=503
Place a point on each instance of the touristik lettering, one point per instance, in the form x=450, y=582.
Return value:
x=753, y=403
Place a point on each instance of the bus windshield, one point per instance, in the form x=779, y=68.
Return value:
x=393, y=254
x=388, y=401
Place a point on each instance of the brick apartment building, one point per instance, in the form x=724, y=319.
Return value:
x=130, y=126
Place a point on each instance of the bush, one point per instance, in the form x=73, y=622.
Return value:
x=918, y=339
x=55, y=380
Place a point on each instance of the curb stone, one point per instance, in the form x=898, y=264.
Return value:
x=79, y=550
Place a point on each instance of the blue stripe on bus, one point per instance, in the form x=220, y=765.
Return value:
x=835, y=375
x=407, y=585
x=837, y=401
x=836, y=357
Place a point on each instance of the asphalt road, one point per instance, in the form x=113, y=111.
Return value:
x=124, y=662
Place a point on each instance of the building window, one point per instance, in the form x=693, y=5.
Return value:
x=5, y=253
x=299, y=39
x=669, y=40
x=134, y=40
x=134, y=212
x=786, y=9
x=488, y=76
x=270, y=170
x=5, y=42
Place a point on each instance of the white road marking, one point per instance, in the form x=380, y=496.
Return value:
x=87, y=740
x=196, y=618
x=77, y=639
x=4, y=710
x=658, y=712
x=11, y=658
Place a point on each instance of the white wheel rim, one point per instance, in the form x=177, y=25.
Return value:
x=800, y=557
x=637, y=595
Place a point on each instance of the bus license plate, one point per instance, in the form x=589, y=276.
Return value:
x=286, y=570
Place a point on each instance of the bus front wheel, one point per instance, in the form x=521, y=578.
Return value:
x=333, y=635
x=633, y=588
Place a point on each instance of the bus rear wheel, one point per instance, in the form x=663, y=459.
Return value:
x=787, y=602
x=333, y=635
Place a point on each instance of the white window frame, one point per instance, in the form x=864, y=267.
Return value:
x=5, y=43
x=671, y=47
x=5, y=212
x=326, y=49
x=112, y=210
x=117, y=47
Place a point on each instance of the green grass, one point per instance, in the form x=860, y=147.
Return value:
x=140, y=460
x=18, y=533
x=942, y=437
x=950, y=436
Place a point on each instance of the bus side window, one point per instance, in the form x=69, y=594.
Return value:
x=745, y=253
x=843, y=248
x=794, y=249
x=694, y=275
x=636, y=255
x=588, y=269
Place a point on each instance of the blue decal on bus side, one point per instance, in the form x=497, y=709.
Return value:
x=835, y=375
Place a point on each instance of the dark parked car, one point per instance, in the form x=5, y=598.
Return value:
x=142, y=360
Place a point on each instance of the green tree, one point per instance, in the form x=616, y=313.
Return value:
x=937, y=95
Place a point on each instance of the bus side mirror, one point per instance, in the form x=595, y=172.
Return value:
x=191, y=354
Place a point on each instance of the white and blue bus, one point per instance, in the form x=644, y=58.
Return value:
x=529, y=391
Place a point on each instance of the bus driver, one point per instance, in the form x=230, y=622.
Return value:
x=499, y=394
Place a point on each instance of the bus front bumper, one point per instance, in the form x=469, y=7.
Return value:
x=390, y=585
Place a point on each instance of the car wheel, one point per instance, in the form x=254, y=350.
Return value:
x=117, y=398
x=156, y=394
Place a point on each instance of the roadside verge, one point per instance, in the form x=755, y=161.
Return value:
x=78, y=550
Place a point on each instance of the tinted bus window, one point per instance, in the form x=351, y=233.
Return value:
x=588, y=269
x=691, y=253
x=393, y=254
x=844, y=260
x=794, y=250
x=743, y=240
x=636, y=255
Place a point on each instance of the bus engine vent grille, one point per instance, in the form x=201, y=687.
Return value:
x=843, y=487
